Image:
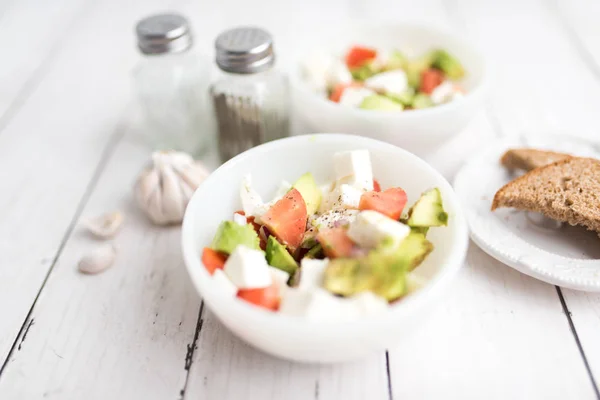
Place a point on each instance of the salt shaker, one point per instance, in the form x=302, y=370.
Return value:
x=250, y=98
x=171, y=85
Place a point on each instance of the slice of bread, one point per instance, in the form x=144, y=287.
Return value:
x=528, y=159
x=567, y=191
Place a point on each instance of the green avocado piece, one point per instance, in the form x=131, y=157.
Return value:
x=421, y=100
x=278, y=256
x=420, y=229
x=379, y=102
x=428, y=210
x=310, y=192
x=448, y=64
x=364, y=72
x=397, y=60
x=230, y=235
x=413, y=249
x=382, y=272
x=315, y=252
x=405, y=98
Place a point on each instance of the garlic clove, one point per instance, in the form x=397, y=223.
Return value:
x=98, y=260
x=173, y=202
x=104, y=226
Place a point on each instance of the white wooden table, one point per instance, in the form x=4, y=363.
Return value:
x=139, y=331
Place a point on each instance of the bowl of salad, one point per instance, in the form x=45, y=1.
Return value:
x=323, y=248
x=410, y=85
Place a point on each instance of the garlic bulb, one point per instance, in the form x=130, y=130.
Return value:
x=164, y=190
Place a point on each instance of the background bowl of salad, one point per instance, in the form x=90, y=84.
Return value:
x=410, y=85
x=298, y=337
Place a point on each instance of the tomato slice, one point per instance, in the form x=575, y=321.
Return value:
x=430, y=79
x=336, y=94
x=376, y=186
x=286, y=219
x=213, y=259
x=265, y=297
x=390, y=202
x=358, y=55
x=335, y=242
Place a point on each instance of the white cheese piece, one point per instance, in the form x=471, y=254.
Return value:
x=280, y=277
x=444, y=93
x=248, y=269
x=354, y=168
x=312, y=273
x=318, y=305
x=239, y=219
x=284, y=187
x=394, y=82
x=345, y=196
x=368, y=303
x=333, y=219
x=252, y=203
x=370, y=228
x=382, y=59
x=354, y=96
x=224, y=284
x=338, y=73
x=315, y=70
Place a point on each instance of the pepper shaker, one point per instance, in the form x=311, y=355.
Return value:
x=251, y=98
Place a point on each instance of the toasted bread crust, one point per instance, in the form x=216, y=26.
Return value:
x=529, y=159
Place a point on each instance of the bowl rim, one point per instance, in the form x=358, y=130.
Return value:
x=298, y=83
x=452, y=263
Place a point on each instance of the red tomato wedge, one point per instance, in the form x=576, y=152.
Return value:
x=358, y=55
x=213, y=259
x=390, y=202
x=376, y=186
x=266, y=297
x=338, y=90
x=286, y=219
x=430, y=79
x=335, y=242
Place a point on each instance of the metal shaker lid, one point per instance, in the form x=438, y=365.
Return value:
x=245, y=50
x=163, y=33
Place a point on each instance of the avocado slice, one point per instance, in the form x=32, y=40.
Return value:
x=397, y=60
x=230, y=235
x=315, y=252
x=428, y=210
x=415, y=67
x=421, y=100
x=364, y=72
x=420, y=229
x=413, y=249
x=448, y=64
x=378, y=102
x=278, y=256
x=405, y=98
x=310, y=192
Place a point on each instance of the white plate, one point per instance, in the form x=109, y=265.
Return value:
x=532, y=244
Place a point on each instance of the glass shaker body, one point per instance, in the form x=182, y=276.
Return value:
x=171, y=90
x=250, y=109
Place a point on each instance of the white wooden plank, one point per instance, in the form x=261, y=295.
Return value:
x=498, y=335
x=226, y=368
x=31, y=33
x=51, y=147
x=123, y=334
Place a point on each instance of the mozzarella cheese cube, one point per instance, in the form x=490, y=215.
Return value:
x=248, y=268
x=354, y=96
x=338, y=73
x=239, y=219
x=224, y=284
x=252, y=203
x=388, y=82
x=370, y=228
x=318, y=305
x=354, y=168
x=333, y=219
x=280, y=277
x=312, y=273
x=445, y=92
x=369, y=304
x=343, y=196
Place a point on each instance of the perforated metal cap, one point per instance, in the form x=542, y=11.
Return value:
x=245, y=50
x=163, y=33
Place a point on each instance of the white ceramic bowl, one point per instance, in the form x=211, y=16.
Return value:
x=293, y=337
x=418, y=131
